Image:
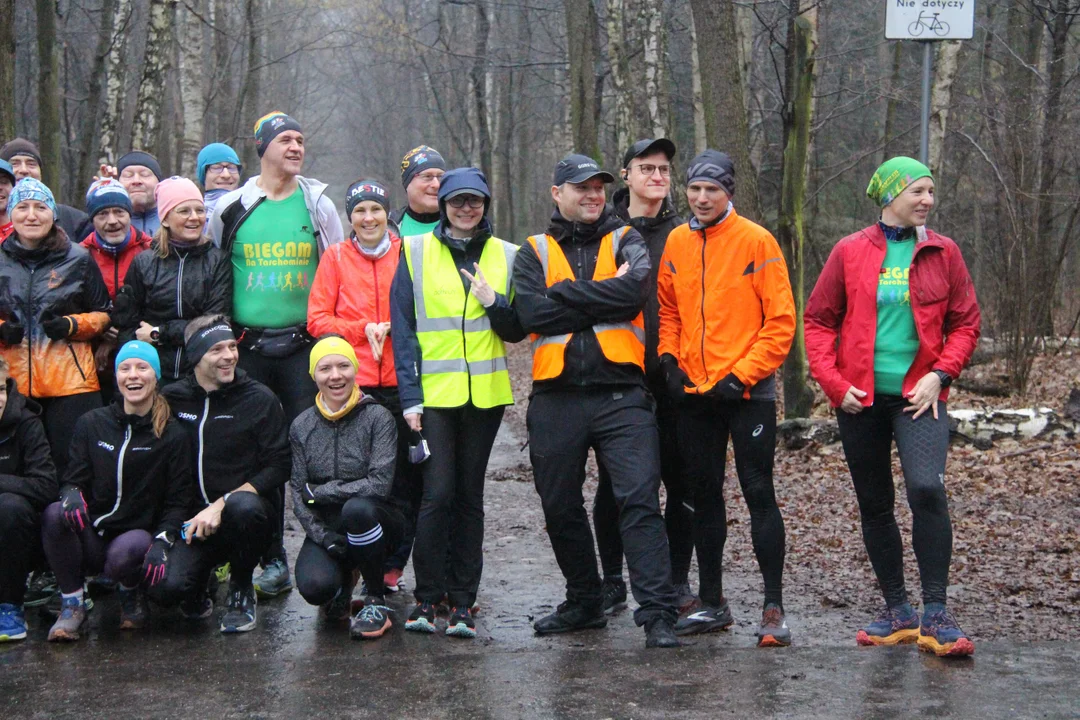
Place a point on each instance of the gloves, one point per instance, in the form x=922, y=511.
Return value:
x=154, y=562
x=307, y=495
x=11, y=333
x=58, y=327
x=335, y=545
x=729, y=388
x=123, y=307
x=73, y=505
x=674, y=377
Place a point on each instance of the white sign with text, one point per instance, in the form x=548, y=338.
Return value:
x=929, y=19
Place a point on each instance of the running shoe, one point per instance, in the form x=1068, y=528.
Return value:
x=461, y=624
x=707, y=619
x=422, y=618
x=54, y=606
x=67, y=626
x=685, y=600
x=372, y=621
x=774, y=631
x=569, y=617
x=197, y=608
x=134, y=611
x=896, y=626
x=274, y=579
x=614, y=591
x=12, y=623
x=659, y=633
x=239, y=615
x=41, y=590
x=939, y=634
x=392, y=580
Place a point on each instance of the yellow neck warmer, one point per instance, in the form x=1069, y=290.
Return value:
x=347, y=408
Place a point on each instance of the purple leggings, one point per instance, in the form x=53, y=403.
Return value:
x=74, y=555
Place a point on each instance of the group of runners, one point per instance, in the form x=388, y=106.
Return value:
x=178, y=358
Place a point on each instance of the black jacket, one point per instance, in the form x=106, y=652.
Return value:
x=407, y=355
x=655, y=231
x=238, y=435
x=26, y=466
x=168, y=292
x=131, y=480
x=75, y=222
x=575, y=306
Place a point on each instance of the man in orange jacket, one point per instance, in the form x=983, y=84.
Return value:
x=727, y=319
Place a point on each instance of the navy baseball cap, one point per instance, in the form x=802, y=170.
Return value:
x=6, y=169
x=648, y=147
x=579, y=168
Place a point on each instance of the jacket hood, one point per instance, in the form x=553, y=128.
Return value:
x=483, y=232
x=13, y=247
x=189, y=388
x=117, y=409
x=574, y=233
x=18, y=408
x=620, y=203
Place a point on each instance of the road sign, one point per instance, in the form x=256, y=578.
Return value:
x=929, y=19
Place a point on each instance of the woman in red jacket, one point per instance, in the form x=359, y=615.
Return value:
x=901, y=302
x=350, y=297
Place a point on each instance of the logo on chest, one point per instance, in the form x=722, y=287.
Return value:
x=107, y=446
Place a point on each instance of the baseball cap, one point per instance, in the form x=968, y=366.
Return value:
x=648, y=147
x=576, y=168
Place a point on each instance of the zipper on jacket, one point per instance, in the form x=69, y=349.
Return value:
x=704, y=364
x=76, y=359
x=119, y=477
x=30, y=334
x=336, y=425
x=179, y=307
x=378, y=315
x=116, y=273
x=239, y=222
x=202, y=424
x=581, y=341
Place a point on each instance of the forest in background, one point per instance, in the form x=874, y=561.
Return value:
x=806, y=95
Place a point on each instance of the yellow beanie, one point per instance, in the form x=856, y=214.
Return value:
x=332, y=346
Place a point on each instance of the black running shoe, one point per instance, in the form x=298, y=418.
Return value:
x=774, y=631
x=569, y=617
x=372, y=621
x=707, y=619
x=422, y=618
x=660, y=634
x=461, y=624
x=614, y=590
x=239, y=616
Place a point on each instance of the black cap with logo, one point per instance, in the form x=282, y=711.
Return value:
x=579, y=168
x=648, y=147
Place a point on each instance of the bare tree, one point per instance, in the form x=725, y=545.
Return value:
x=581, y=30
x=7, y=68
x=948, y=54
x=48, y=96
x=192, y=95
x=116, y=68
x=146, y=128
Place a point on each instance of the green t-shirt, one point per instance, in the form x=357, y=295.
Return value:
x=896, y=341
x=274, y=258
x=410, y=226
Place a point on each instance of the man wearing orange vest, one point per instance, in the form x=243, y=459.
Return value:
x=581, y=288
x=727, y=320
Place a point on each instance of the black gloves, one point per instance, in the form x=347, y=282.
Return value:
x=58, y=327
x=11, y=333
x=123, y=308
x=674, y=377
x=73, y=505
x=307, y=495
x=154, y=562
x=729, y=388
x=335, y=545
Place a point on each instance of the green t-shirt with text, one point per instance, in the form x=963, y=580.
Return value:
x=409, y=226
x=274, y=258
x=896, y=341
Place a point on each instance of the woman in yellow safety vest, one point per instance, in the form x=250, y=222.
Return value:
x=450, y=314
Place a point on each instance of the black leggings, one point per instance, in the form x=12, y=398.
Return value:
x=678, y=517
x=373, y=527
x=75, y=555
x=922, y=446
x=20, y=538
x=58, y=415
x=704, y=427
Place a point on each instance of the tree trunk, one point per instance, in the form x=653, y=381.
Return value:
x=247, y=109
x=652, y=17
x=88, y=161
x=115, y=95
x=581, y=29
x=7, y=69
x=801, y=47
x=700, y=137
x=478, y=80
x=146, y=129
x=723, y=97
x=48, y=89
x=893, y=103
x=948, y=54
x=620, y=71
x=192, y=98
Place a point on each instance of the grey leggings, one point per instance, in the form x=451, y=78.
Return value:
x=922, y=446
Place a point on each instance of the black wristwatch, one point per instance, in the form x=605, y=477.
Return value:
x=944, y=377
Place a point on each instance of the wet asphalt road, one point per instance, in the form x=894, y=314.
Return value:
x=296, y=665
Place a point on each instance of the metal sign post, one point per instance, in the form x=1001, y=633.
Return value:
x=928, y=21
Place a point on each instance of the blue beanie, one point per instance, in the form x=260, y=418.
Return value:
x=107, y=193
x=215, y=153
x=30, y=189
x=137, y=349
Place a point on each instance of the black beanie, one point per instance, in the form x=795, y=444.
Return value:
x=138, y=157
x=271, y=125
x=366, y=189
x=715, y=167
x=419, y=159
x=20, y=146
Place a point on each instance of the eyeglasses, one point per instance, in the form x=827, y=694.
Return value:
x=430, y=176
x=223, y=167
x=458, y=201
x=185, y=213
x=647, y=170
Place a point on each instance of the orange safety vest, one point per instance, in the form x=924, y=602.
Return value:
x=622, y=342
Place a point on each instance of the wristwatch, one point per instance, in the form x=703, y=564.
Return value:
x=944, y=377
x=155, y=333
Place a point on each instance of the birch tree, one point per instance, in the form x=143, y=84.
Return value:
x=115, y=85
x=87, y=142
x=948, y=54
x=146, y=128
x=193, y=98
x=653, y=41
x=620, y=70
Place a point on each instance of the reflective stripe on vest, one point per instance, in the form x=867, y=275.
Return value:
x=463, y=359
x=622, y=342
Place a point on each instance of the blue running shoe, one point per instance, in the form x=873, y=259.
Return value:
x=274, y=580
x=896, y=626
x=940, y=634
x=12, y=623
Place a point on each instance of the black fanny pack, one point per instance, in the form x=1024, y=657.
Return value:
x=275, y=342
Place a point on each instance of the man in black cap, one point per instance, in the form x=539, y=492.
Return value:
x=645, y=205
x=581, y=288
x=25, y=160
x=421, y=171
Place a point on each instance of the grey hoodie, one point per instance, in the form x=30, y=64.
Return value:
x=350, y=457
